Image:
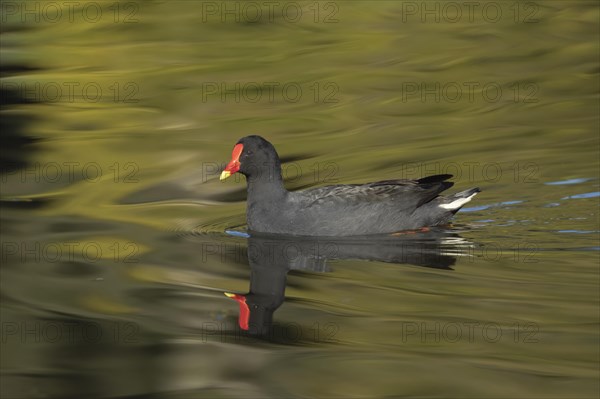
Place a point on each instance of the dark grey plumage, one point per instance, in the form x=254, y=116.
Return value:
x=340, y=210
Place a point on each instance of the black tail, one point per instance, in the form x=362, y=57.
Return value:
x=434, y=179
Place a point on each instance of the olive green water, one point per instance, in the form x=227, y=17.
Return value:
x=118, y=117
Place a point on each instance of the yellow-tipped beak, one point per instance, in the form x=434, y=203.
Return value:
x=229, y=295
x=224, y=175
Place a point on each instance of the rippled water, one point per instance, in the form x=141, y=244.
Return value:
x=118, y=240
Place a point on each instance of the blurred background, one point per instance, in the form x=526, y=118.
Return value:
x=118, y=116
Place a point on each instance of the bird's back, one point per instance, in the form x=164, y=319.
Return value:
x=357, y=209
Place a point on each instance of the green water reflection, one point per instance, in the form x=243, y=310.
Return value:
x=115, y=125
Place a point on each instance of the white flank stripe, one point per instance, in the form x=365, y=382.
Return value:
x=457, y=203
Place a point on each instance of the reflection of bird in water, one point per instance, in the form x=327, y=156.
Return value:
x=272, y=257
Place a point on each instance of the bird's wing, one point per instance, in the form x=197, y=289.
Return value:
x=408, y=193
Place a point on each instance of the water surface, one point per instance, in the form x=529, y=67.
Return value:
x=115, y=255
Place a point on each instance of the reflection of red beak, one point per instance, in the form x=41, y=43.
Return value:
x=244, y=310
x=234, y=165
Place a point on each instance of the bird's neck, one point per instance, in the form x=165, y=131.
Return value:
x=266, y=186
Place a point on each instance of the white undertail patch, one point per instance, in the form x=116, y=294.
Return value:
x=457, y=203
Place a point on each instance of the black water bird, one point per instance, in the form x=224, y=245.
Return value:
x=340, y=210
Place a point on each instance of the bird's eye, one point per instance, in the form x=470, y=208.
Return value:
x=249, y=152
